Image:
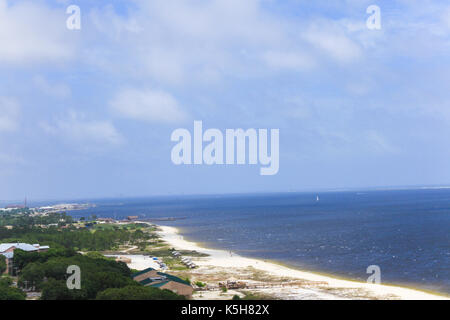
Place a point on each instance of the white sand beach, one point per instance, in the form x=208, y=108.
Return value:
x=317, y=286
x=138, y=261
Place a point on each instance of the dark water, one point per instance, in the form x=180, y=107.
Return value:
x=404, y=232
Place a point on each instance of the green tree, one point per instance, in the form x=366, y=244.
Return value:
x=95, y=282
x=22, y=258
x=57, y=290
x=138, y=293
x=32, y=276
x=2, y=264
x=98, y=255
x=8, y=293
x=6, y=281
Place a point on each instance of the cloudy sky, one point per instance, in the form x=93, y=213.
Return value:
x=89, y=113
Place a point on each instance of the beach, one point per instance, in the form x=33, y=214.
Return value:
x=137, y=261
x=278, y=281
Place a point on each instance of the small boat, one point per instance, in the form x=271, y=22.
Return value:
x=317, y=199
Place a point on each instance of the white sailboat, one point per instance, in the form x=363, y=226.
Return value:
x=317, y=199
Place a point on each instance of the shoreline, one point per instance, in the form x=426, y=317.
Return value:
x=325, y=284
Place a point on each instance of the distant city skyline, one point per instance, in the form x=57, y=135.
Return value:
x=89, y=113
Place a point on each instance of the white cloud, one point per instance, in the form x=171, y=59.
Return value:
x=189, y=42
x=147, y=105
x=289, y=60
x=214, y=21
x=31, y=32
x=9, y=114
x=77, y=129
x=446, y=18
x=331, y=38
x=197, y=42
x=377, y=143
x=164, y=64
x=57, y=90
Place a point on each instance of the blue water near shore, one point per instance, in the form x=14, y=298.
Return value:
x=405, y=232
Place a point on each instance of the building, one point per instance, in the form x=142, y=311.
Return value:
x=7, y=250
x=153, y=278
x=132, y=217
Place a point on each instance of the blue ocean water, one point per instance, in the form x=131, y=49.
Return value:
x=404, y=232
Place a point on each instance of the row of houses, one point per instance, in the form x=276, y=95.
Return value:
x=7, y=250
x=186, y=261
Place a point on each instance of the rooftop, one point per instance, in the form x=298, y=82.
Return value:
x=19, y=245
x=168, y=277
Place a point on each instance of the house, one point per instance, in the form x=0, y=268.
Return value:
x=7, y=250
x=153, y=278
x=132, y=217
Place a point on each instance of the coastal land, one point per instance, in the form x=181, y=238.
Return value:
x=249, y=277
x=102, y=247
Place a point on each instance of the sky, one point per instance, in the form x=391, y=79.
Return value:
x=90, y=112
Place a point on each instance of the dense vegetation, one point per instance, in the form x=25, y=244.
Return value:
x=23, y=218
x=138, y=293
x=78, y=239
x=101, y=278
x=49, y=274
x=9, y=293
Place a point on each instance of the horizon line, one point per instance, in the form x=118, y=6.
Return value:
x=306, y=190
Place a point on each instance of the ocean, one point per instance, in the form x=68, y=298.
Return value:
x=404, y=232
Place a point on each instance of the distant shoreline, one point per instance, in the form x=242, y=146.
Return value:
x=222, y=258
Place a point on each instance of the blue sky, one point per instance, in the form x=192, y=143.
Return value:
x=89, y=113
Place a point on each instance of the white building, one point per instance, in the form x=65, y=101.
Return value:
x=7, y=250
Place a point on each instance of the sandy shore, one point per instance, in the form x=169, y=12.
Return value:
x=138, y=261
x=317, y=286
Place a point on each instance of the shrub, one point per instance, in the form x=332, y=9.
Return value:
x=138, y=293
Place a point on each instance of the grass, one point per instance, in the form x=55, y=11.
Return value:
x=174, y=263
x=192, y=253
x=160, y=252
x=259, y=275
x=255, y=296
x=200, y=284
